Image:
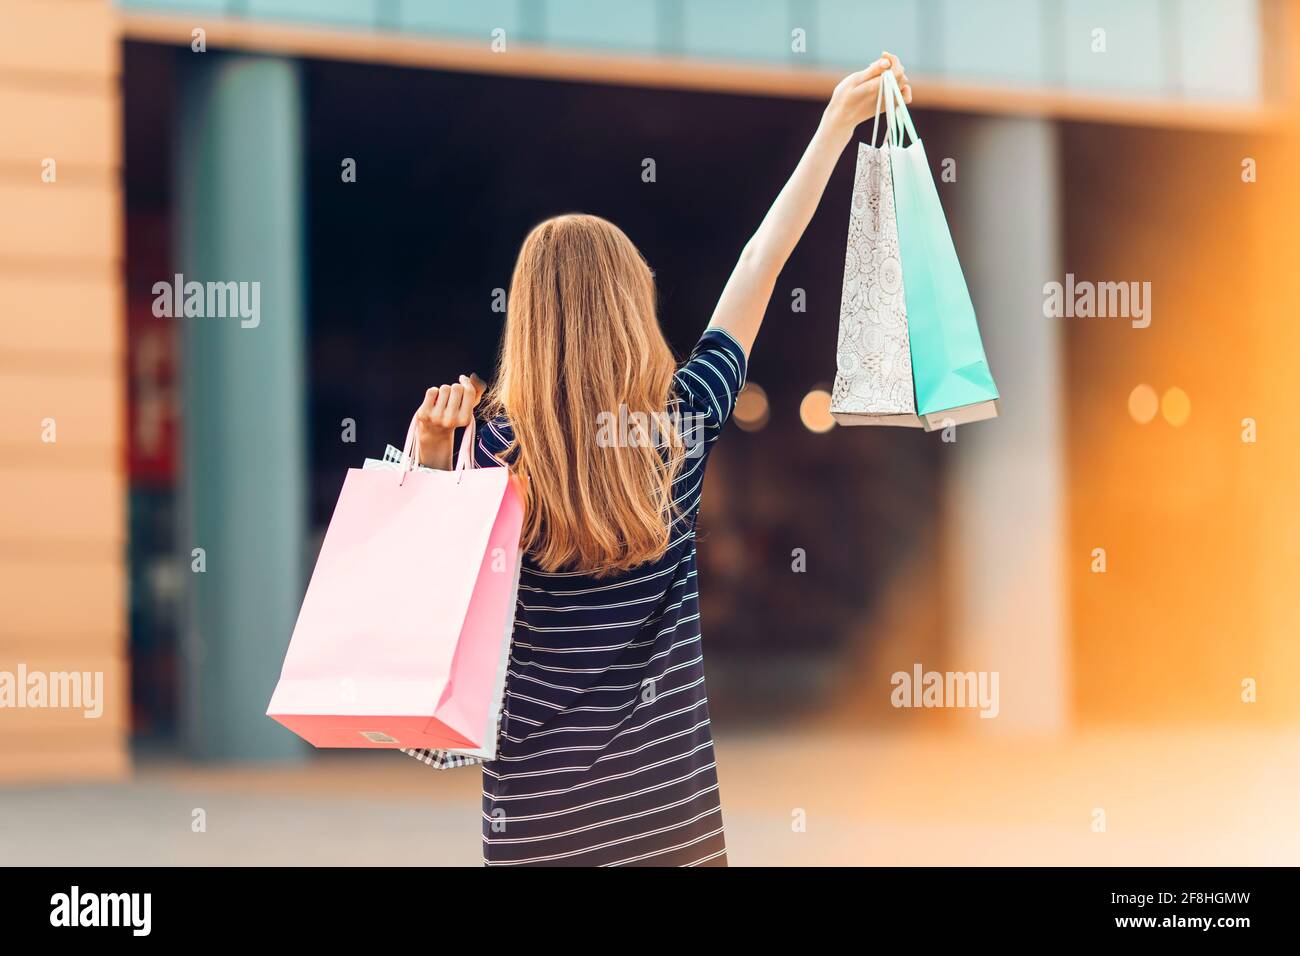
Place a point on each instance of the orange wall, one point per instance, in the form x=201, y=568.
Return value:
x=1200, y=528
x=62, y=503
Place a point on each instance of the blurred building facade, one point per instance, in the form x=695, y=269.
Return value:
x=1024, y=499
x=62, y=383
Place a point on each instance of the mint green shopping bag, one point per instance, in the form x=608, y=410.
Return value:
x=951, y=374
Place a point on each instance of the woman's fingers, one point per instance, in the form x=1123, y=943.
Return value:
x=875, y=69
x=438, y=413
x=430, y=411
x=451, y=406
x=465, y=410
x=867, y=82
x=900, y=74
x=426, y=406
x=869, y=74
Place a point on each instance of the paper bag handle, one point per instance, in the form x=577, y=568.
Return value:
x=875, y=123
x=411, y=451
x=896, y=113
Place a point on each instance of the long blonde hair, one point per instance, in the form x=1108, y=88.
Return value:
x=583, y=349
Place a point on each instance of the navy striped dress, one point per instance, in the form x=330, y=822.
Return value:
x=606, y=755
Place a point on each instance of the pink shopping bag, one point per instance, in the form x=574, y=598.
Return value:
x=406, y=624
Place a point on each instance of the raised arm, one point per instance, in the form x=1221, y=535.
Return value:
x=744, y=299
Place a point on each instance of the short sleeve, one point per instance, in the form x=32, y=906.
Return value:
x=492, y=445
x=708, y=383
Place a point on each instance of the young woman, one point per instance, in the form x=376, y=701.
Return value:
x=605, y=755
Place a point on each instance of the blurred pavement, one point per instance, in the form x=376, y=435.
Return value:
x=1175, y=799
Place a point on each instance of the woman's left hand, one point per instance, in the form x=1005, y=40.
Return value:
x=854, y=99
x=444, y=409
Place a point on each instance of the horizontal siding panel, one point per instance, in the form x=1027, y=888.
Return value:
x=75, y=38
x=64, y=727
x=69, y=507
x=61, y=221
x=75, y=127
x=40, y=758
x=69, y=603
x=74, y=313
x=69, y=726
x=63, y=583
x=87, y=412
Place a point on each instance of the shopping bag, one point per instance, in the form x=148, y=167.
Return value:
x=450, y=757
x=873, y=380
x=404, y=632
x=951, y=373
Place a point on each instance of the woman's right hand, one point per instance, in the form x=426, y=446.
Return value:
x=854, y=99
x=445, y=408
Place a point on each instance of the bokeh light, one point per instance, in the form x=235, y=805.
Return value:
x=1176, y=406
x=1143, y=403
x=752, y=408
x=815, y=411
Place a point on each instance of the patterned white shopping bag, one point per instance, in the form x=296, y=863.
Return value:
x=873, y=382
